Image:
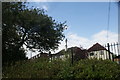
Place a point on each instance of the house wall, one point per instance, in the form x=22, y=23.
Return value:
x=62, y=57
x=101, y=54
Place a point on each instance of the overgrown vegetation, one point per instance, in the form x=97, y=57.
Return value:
x=57, y=69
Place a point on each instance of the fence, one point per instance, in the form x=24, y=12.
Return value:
x=114, y=48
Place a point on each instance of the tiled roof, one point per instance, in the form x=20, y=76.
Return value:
x=96, y=47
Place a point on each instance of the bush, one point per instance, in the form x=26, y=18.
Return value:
x=96, y=69
x=57, y=69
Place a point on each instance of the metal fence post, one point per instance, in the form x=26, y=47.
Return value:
x=108, y=50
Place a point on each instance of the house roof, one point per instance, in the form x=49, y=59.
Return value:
x=96, y=47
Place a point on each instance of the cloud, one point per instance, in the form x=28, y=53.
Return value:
x=100, y=37
x=76, y=40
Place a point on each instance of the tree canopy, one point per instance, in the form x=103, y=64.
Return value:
x=28, y=26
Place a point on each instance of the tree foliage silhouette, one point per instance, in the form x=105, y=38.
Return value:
x=28, y=26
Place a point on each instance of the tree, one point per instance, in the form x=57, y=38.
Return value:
x=10, y=38
x=30, y=27
x=38, y=30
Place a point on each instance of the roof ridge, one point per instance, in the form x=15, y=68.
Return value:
x=96, y=47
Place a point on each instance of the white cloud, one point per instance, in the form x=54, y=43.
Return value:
x=100, y=37
x=76, y=40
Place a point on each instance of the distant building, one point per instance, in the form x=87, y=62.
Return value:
x=59, y=55
x=99, y=52
x=77, y=54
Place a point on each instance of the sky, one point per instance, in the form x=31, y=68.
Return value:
x=86, y=21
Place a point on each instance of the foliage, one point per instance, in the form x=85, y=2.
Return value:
x=39, y=68
x=38, y=30
x=57, y=69
x=30, y=27
x=10, y=38
x=97, y=69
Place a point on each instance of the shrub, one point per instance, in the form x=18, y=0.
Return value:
x=97, y=69
x=57, y=69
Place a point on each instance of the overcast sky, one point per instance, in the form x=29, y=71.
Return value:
x=87, y=21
